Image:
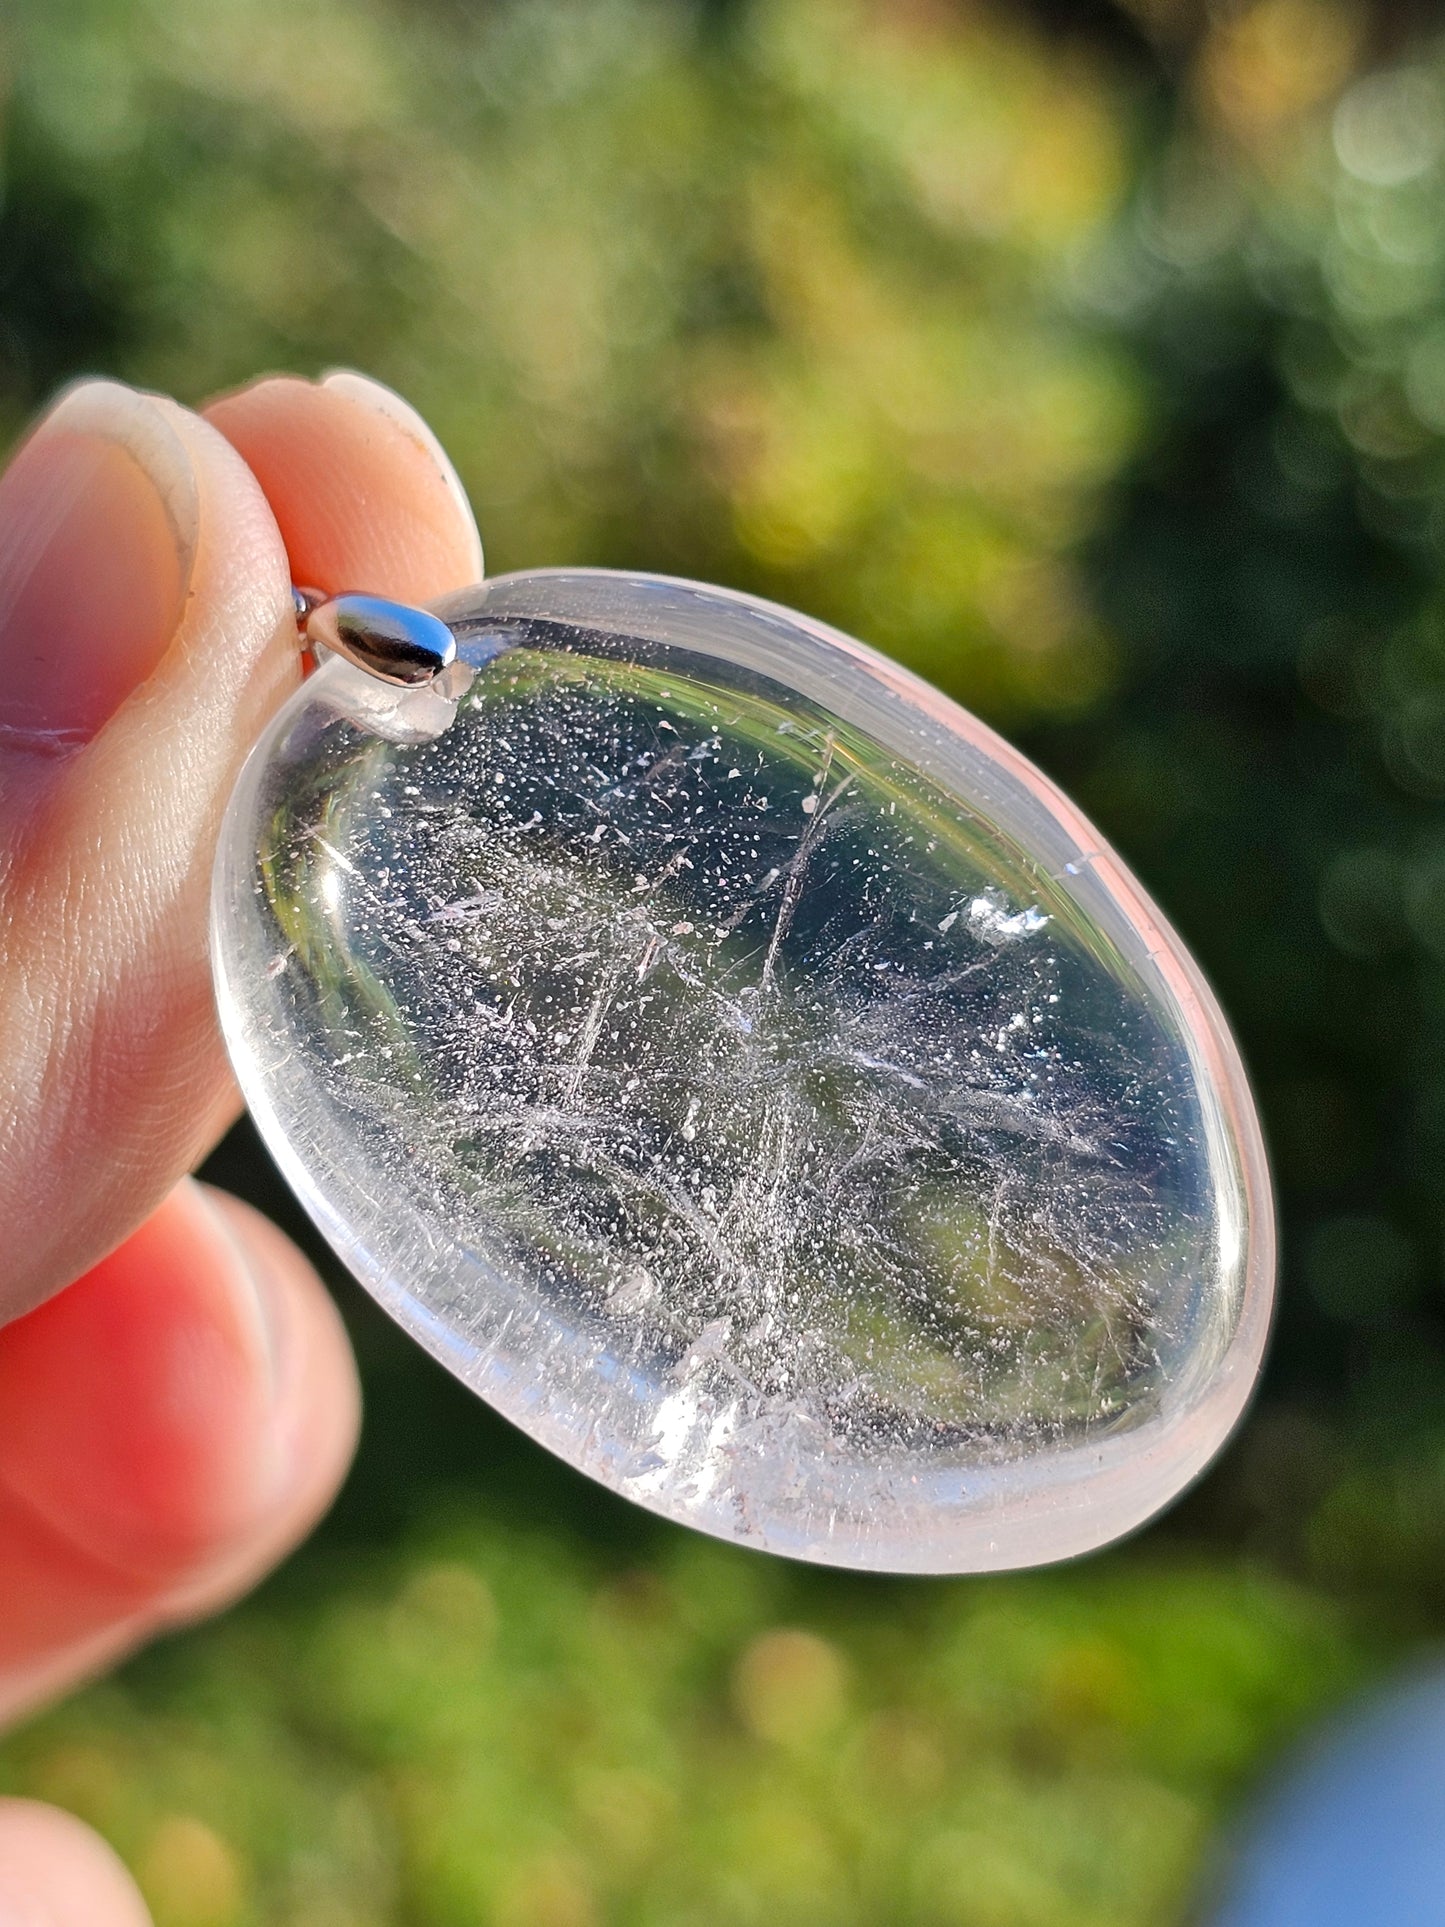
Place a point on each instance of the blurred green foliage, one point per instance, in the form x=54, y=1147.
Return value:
x=785, y=302
x=1098, y=374
x=498, y=1727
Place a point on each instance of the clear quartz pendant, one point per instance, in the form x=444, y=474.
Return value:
x=752, y=1076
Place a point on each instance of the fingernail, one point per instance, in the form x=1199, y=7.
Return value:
x=98, y=523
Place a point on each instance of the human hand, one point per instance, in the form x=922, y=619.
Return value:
x=177, y=1400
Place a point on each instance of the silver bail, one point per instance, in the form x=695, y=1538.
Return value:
x=389, y=640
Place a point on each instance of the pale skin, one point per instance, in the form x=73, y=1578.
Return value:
x=177, y=1400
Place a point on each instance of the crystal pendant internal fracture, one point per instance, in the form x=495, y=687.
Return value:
x=753, y=1077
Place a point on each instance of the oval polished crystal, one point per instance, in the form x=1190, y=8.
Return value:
x=753, y=1077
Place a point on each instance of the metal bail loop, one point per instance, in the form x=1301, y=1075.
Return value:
x=392, y=641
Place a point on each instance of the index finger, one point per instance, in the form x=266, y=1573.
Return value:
x=362, y=490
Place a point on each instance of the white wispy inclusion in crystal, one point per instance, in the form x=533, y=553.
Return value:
x=738, y=1103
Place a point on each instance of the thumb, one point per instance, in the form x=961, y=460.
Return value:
x=145, y=635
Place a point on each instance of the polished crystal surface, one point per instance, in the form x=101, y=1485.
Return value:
x=747, y=1072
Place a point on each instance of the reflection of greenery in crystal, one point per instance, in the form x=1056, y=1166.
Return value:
x=302, y=862
x=1073, y=1352
x=904, y=314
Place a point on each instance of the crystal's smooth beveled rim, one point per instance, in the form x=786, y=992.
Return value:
x=1093, y=1492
